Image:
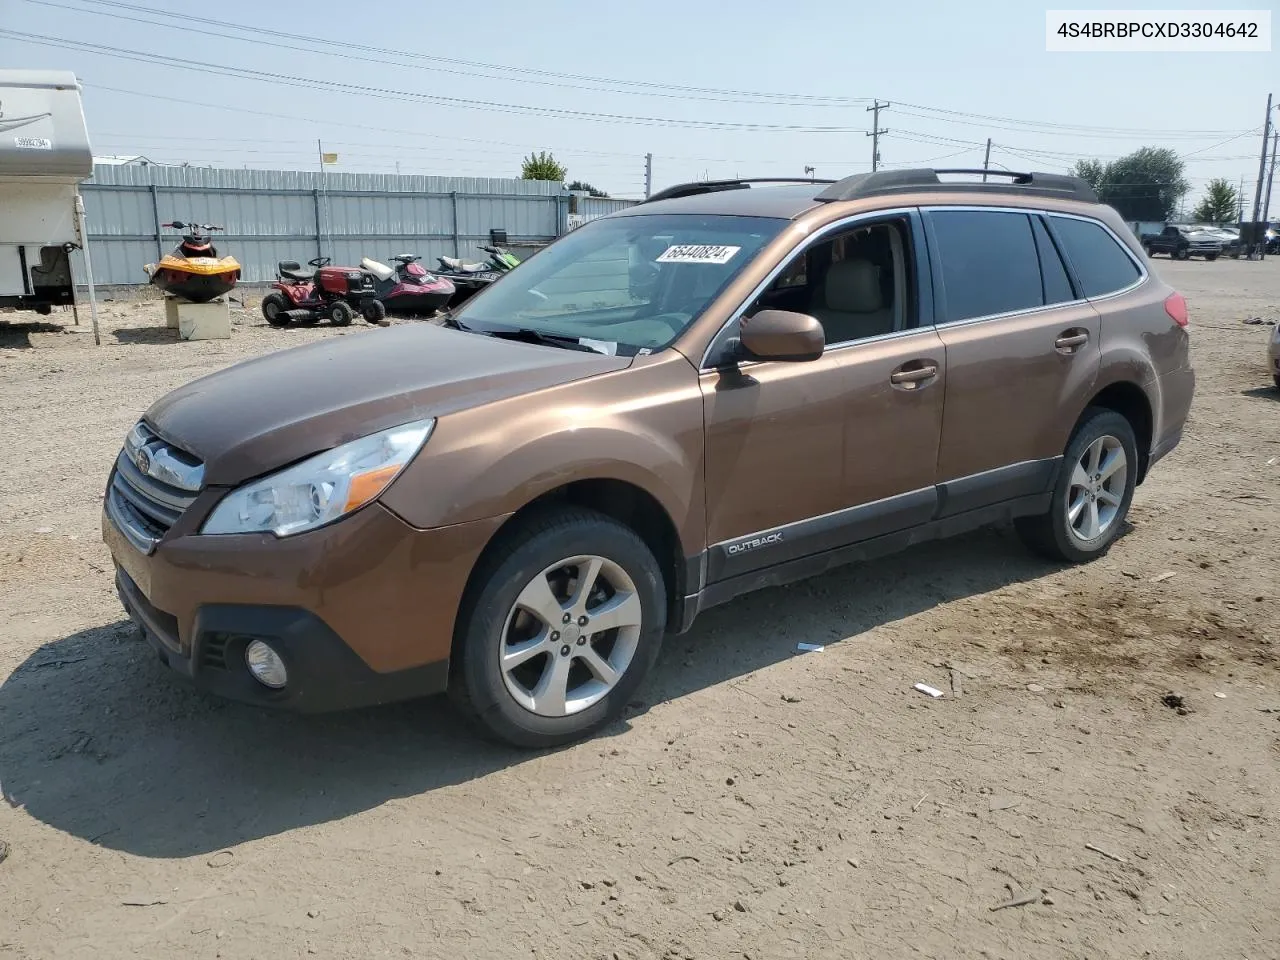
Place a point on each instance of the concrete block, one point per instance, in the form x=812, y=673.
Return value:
x=199, y=321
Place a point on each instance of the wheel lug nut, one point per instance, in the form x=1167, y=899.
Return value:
x=582, y=641
x=566, y=618
x=564, y=651
x=555, y=635
x=582, y=620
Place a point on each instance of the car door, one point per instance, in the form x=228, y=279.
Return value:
x=1022, y=349
x=806, y=457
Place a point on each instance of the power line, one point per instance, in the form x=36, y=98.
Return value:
x=386, y=93
x=361, y=53
x=348, y=50
x=1059, y=126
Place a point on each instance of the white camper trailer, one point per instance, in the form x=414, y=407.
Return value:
x=44, y=155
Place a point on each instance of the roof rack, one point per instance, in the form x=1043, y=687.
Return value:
x=714, y=186
x=903, y=181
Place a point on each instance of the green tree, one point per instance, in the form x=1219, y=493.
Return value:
x=1092, y=172
x=1219, y=203
x=1144, y=185
x=542, y=166
x=583, y=185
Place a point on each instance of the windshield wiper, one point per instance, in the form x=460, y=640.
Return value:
x=525, y=334
x=529, y=335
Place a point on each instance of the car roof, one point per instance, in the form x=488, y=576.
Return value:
x=785, y=202
x=768, y=198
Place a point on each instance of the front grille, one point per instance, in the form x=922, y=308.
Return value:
x=145, y=505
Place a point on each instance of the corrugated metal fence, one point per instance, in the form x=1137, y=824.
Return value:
x=273, y=215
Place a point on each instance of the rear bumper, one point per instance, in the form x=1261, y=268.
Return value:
x=1177, y=390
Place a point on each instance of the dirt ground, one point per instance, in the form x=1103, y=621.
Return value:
x=759, y=803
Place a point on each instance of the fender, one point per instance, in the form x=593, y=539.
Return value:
x=642, y=425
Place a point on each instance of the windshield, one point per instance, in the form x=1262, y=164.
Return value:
x=622, y=285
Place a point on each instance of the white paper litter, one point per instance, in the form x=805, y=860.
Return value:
x=926, y=689
x=810, y=647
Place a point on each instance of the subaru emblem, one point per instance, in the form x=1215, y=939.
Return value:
x=143, y=460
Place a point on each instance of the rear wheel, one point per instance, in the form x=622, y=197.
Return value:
x=560, y=627
x=373, y=311
x=340, y=313
x=275, y=310
x=1182, y=254
x=1094, y=490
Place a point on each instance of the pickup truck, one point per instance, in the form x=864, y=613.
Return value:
x=1182, y=243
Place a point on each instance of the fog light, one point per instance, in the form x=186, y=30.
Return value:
x=265, y=665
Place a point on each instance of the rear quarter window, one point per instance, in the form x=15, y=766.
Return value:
x=1101, y=265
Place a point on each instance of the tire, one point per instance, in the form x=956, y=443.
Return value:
x=1147, y=249
x=373, y=311
x=547, y=547
x=1183, y=254
x=275, y=310
x=1211, y=257
x=1055, y=534
x=340, y=313
x=1276, y=378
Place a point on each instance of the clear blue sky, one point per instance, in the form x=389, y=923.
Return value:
x=975, y=59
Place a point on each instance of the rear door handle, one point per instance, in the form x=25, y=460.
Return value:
x=1069, y=341
x=910, y=377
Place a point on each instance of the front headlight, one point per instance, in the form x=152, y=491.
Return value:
x=321, y=489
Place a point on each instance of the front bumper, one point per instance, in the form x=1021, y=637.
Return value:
x=362, y=611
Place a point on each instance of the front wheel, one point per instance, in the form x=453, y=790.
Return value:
x=275, y=310
x=561, y=624
x=373, y=311
x=340, y=313
x=1183, y=254
x=1093, y=493
x=1211, y=256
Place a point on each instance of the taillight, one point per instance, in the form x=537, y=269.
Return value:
x=1175, y=305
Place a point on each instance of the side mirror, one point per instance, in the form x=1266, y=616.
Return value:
x=781, y=335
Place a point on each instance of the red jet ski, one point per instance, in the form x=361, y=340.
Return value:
x=408, y=288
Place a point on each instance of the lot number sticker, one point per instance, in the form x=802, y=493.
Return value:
x=32, y=143
x=697, y=253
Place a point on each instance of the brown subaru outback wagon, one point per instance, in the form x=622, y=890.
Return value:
x=733, y=385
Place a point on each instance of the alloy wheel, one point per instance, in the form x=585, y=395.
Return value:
x=570, y=636
x=1098, y=482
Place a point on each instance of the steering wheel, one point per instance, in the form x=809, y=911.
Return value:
x=318, y=262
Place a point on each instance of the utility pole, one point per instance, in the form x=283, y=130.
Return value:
x=986, y=161
x=648, y=175
x=1257, y=193
x=1240, y=202
x=876, y=132
x=1271, y=176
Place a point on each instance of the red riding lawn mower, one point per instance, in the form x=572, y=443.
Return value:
x=336, y=293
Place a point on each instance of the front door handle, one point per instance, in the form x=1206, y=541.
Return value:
x=1069, y=342
x=910, y=376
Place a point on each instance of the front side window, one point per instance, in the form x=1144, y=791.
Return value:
x=1100, y=264
x=622, y=285
x=989, y=263
x=857, y=282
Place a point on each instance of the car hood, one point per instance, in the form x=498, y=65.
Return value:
x=263, y=414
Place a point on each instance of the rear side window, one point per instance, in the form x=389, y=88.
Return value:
x=989, y=262
x=1057, y=286
x=1101, y=265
